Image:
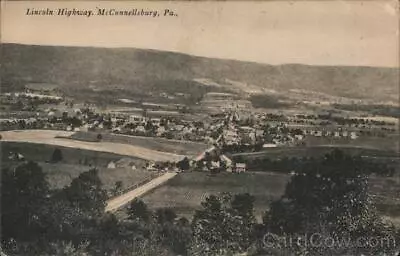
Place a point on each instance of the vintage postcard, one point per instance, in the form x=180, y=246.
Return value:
x=199, y=128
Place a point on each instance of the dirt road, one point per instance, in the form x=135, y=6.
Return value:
x=116, y=203
x=49, y=137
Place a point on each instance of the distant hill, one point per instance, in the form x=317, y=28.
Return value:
x=137, y=70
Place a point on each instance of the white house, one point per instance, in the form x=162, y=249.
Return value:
x=228, y=162
x=140, y=128
x=160, y=130
x=318, y=133
x=299, y=137
x=240, y=167
x=215, y=165
x=353, y=135
x=111, y=165
x=269, y=145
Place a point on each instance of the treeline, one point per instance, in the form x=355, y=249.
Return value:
x=384, y=110
x=36, y=220
x=266, y=101
x=328, y=198
x=242, y=148
x=296, y=164
x=343, y=120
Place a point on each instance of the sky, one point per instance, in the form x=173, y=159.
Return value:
x=355, y=33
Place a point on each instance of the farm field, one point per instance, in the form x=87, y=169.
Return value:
x=388, y=143
x=315, y=151
x=53, y=138
x=186, y=191
x=74, y=162
x=158, y=144
x=61, y=175
x=74, y=156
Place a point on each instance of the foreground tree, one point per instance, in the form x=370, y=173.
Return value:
x=184, y=164
x=56, y=156
x=329, y=197
x=73, y=213
x=223, y=226
x=23, y=191
x=138, y=210
x=165, y=215
x=87, y=193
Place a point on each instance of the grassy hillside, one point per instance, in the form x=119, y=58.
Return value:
x=74, y=162
x=133, y=70
x=43, y=153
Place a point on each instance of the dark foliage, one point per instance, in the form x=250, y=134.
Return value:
x=57, y=156
x=327, y=196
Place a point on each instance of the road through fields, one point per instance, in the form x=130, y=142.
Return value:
x=117, y=202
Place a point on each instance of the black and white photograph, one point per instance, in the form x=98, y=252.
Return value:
x=199, y=128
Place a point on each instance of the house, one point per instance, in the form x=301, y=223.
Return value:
x=116, y=129
x=135, y=118
x=156, y=121
x=111, y=165
x=298, y=137
x=240, y=167
x=151, y=167
x=179, y=127
x=215, y=165
x=187, y=130
x=125, y=162
x=269, y=145
x=77, y=111
x=161, y=130
x=140, y=128
x=259, y=133
x=226, y=160
x=353, y=135
x=16, y=156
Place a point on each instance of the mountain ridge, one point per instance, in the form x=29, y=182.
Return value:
x=132, y=67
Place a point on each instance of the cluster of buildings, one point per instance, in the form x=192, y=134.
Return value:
x=230, y=128
x=225, y=129
x=333, y=134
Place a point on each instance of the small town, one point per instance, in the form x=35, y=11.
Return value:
x=217, y=128
x=230, y=131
